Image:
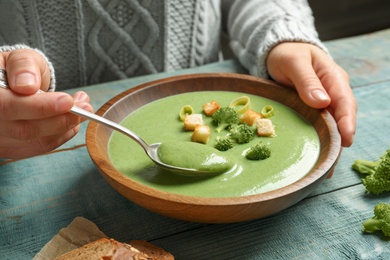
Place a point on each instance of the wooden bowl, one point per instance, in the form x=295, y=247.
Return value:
x=213, y=210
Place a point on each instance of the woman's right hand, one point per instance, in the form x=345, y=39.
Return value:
x=30, y=123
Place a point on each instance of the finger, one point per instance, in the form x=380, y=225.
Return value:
x=22, y=107
x=81, y=100
x=347, y=128
x=344, y=112
x=22, y=149
x=33, y=129
x=308, y=85
x=27, y=71
x=85, y=106
x=343, y=106
x=81, y=96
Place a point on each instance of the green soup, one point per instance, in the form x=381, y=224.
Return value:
x=193, y=155
x=295, y=148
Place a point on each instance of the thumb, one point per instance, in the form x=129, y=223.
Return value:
x=27, y=71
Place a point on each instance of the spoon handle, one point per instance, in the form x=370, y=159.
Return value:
x=91, y=116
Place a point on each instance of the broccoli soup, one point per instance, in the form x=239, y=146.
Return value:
x=193, y=155
x=294, y=148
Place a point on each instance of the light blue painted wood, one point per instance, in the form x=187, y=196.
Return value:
x=41, y=195
x=365, y=58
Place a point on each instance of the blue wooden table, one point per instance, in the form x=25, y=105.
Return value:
x=41, y=195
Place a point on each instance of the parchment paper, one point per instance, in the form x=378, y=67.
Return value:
x=80, y=232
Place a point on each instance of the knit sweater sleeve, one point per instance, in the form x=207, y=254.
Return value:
x=7, y=48
x=256, y=26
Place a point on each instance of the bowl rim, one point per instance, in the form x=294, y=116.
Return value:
x=314, y=175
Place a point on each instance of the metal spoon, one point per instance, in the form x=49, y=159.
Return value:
x=151, y=150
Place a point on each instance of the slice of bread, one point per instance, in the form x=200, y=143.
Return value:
x=110, y=249
x=156, y=253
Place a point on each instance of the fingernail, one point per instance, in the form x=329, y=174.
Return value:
x=64, y=103
x=319, y=95
x=25, y=79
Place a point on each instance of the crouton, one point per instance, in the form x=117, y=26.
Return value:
x=210, y=108
x=192, y=120
x=250, y=116
x=264, y=127
x=201, y=134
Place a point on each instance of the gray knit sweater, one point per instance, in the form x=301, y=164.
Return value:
x=92, y=41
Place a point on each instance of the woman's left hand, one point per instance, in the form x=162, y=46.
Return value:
x=320, y=82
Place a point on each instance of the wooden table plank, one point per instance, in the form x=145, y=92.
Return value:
x=327, y=226
x=365, y=58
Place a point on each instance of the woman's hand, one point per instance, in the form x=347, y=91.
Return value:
x=30, y=123
x=320, y=82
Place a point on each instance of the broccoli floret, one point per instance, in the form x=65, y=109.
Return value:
x=242, y=133
x=258, y=152
x=380, y=221
x=223, y=143
x=378, y=173
x=224, y=117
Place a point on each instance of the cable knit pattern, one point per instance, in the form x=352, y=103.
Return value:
x=193, y=33
x=123, y=33
x=180, y=33
x=254, y=33
x=57, y=26
x=93, y=41
x=207, y=23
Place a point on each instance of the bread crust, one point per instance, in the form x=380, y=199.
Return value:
x=110, y=249
x=155, y=252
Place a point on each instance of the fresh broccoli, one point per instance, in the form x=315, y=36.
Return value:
x=378, y=173
x=380, y=221
x=223, y=143
x=258, y=151
x=224, y=117
x=242, y=133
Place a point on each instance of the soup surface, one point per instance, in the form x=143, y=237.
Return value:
x=294, y=149
x=192, y=155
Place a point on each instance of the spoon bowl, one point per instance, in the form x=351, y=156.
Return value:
x=150, y=150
